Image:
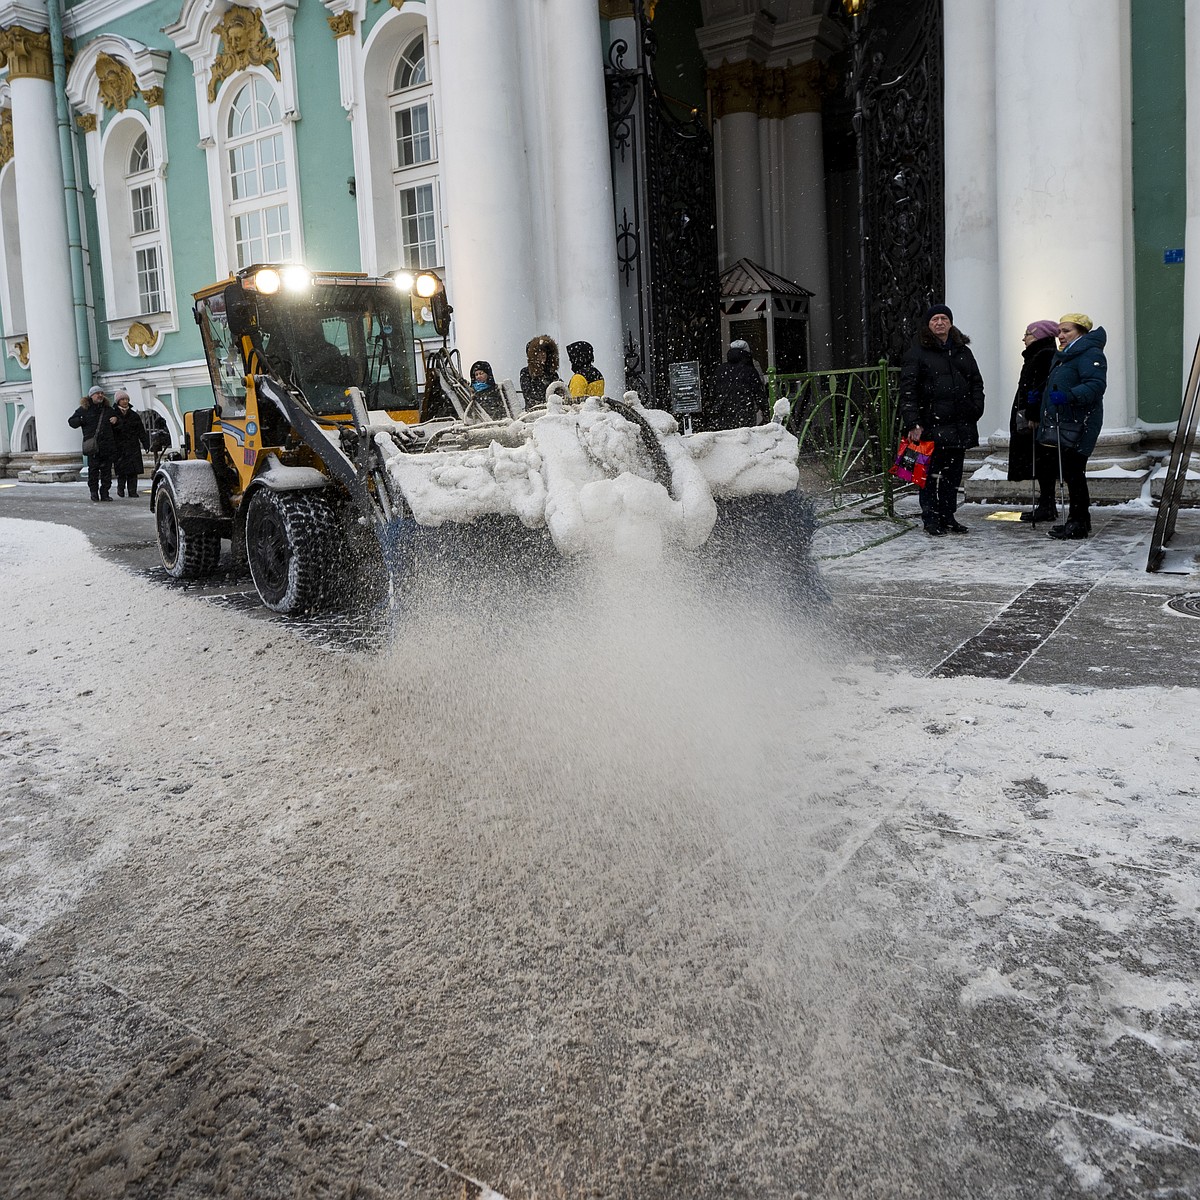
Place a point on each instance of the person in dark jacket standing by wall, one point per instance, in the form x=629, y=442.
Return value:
x=129, y=440
x=941, y=400
x=1024, y=461
x=91, y=418
x=1074, y=401
x=739, y=396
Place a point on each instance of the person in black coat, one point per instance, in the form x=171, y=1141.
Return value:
x=484, y=390
x=91, y=418
x=941, y=400
x=1023, y=454
x=130, y=439
x=541, y=357
x=738, y=394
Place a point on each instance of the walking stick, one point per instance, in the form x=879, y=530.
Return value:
x=1033, y=481
x=1061, y=482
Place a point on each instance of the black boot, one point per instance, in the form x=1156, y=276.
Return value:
x=933, y=525
x=949, y=524
x=1042, y=511
x=1070, y=531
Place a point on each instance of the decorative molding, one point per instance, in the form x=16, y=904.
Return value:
x=87, y=122
x=805, y=86
x=155, y=97
x=20, y=351
x=736, y=87
x=117, y=84
x=342, y=24
x=244, y=43
x=6, y=137
x=25, y=53
x=141, y=340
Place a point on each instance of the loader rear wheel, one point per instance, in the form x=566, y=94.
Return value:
x=188, y=549
x=290, y=545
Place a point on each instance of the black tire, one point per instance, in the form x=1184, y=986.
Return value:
x=188, y=549
x=291, y=545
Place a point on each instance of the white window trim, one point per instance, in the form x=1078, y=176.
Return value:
x=83, y=90
x=373, y=126
x=218, y=166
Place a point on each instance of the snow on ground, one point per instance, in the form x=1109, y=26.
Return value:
x=608, y=890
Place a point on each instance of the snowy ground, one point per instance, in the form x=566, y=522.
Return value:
x=593, y=902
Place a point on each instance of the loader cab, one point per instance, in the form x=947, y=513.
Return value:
x=318, y=334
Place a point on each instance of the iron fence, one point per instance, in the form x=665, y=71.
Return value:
x=847, y=424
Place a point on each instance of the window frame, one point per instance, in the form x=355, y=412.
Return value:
x=408, y=179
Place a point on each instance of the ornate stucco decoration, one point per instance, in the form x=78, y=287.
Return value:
x=736, y=87
x=141, y=341
x=87, y=122
x=6, y=137
x=25, y=53
x=117, y=84
x=342, y=24
x=153, y=97
x=21, y=351
x=805, y=86
x=244, y=43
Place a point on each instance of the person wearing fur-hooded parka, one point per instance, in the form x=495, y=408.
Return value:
x=941, y=400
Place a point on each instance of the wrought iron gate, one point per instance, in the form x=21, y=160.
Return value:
x=665, y=200
x=904, y=268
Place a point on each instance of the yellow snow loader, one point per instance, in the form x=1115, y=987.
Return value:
x=323, y=456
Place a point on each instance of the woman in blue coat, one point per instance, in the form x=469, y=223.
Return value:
x=1072, y=414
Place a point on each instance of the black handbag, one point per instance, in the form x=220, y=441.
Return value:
x=1064, y=429
x=89, y=446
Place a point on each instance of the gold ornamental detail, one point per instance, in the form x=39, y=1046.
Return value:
x=736, y=87
x=141, y=340
x=117, y=84
x=25, y=53
x=22, y=349
x=805, y=87
x=6, y=137
x=87, y=122
x=154, y=97
x=342, y=24
x=244, y=43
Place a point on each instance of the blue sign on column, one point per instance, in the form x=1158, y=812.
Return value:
x=1171, y=257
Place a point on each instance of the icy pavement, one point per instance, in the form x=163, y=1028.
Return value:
x=603, y=902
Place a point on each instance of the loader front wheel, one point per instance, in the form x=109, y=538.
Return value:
x=290, y=540
x=188, y=549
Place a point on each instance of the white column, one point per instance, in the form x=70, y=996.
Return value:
x=741, y=188
x=1063, y=177
x=589, y=308
x=972, y=259
x=805, y=240
x=46, y=267
x=1191, y=255
x=486, y=185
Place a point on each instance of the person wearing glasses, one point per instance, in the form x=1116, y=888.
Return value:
x=1024, y=461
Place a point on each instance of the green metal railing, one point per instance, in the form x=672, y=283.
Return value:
x=847, y=423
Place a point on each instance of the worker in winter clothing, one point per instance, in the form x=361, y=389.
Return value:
x=541, y=357
x=739, y=396
x=92, y=419
x=941, y=400
x=129, y=440
x=586, y=380
x=1024, y=461
x=1072, y=415
x=484, y=391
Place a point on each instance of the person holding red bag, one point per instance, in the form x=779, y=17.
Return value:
x=941, y=400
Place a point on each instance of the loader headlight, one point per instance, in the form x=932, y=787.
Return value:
x=296, y=278
x=267, y=281
x=428, y=284
x=403, y=281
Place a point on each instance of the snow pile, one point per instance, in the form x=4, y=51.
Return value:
x=588, y=477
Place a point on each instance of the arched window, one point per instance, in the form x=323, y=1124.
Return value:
x=257, y=176
x=414, y=158
x=145, y=235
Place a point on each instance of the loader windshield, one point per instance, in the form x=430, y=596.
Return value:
x=343, y=335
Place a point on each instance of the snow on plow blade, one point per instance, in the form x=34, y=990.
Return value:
x=609, y=481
